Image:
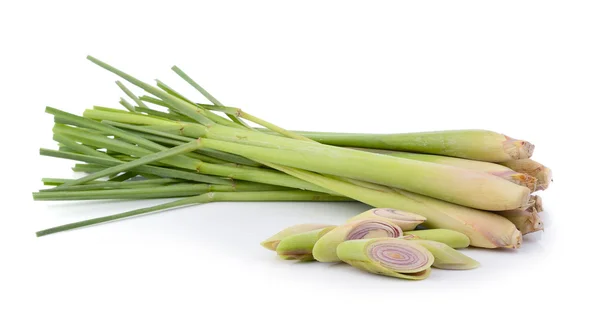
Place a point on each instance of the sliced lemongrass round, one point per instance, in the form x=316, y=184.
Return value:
x=387, y=256
x=403, y=219
x=326, y=247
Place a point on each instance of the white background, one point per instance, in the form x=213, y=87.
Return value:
x=529, y=69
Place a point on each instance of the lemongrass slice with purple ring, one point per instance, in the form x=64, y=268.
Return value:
x=325, y=248
x=387, y=256
x=272, y=242
x=403, y=219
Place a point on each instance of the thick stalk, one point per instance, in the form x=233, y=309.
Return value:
x=469, y=144
x=204, y=198
x=486, y=167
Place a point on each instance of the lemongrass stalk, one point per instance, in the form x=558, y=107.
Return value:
x=272, y=242
x=152, y=192
x=126, y=105
x=87, y=168
x=108, y=109
x=205, y=93
x=156, y=113
x=484, y=229
x=300, y=246
x=153, y=100
x=526, y=220
x=120, y=177
x=99, y=185
x=469, y=144
x=130, y=95
x=388, y=256
x=171, y=91
x=452, y=238
x=542, y=173
x=204, y=198
x=487, y=167
x=47, y=181
x=79, y=148
x=160, y=171
x=212, y=116
x=405, y=220
x=325, y=248
x=158, y=156
x=445, y=257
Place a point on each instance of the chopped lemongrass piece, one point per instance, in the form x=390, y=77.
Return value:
x=272, y=242
x=445, y=257
x=300, y=246
x=326, y=246
x=405, y=220
x=452, y=238
x=388, y=256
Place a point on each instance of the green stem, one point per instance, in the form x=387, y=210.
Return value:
x=122, y=177
x=99, y=185
x=130, y=95
x=126, y=104
x=79, y=148
x=210, y=152
x=160, y=171
x=204, y=198
x=207, y=95
x=158, y=156
x=182, y=106
x=150, y=192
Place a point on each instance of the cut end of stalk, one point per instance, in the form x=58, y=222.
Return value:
x=518, y=149
x=520, y=179
x=537, y=203
x=544, y=178
x=516, y=239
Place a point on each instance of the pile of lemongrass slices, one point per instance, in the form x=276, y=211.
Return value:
x=381, y=240
x=164, y=145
